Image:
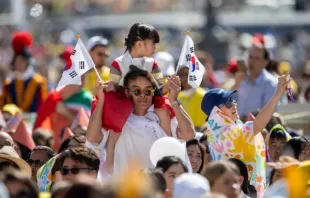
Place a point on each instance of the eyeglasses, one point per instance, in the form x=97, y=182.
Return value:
x=6, y=165
x=146, y=91
x=74, y=171
x=229, y=103
x=37, y=163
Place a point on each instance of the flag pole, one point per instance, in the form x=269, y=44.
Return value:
x=96, y=71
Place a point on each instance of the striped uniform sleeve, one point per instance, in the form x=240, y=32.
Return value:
x=157, y=74
x=43, y=90
x=115, y=73
x=4, y=94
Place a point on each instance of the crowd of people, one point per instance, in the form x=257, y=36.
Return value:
x=95, y=139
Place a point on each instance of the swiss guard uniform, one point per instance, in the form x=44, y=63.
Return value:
x=27, y=89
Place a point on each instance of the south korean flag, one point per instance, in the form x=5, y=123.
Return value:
x=189, y=59
x=80, y=62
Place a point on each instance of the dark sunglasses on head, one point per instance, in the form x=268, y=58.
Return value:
x=35, y=162
x=74, y=171
x=5, y=165
x=146, y=91
x=229, y=103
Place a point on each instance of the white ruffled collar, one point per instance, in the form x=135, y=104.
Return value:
x=23, y=76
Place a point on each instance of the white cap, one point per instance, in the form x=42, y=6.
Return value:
x=198, y=136
x=165, y=62
x=95, y=41
x=190, y=185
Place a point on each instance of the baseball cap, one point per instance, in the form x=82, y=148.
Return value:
x=190, y=185
x=165, y=62
x=96, y=41
x=213, y=98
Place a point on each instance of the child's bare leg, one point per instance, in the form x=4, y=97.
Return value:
x=165, y=120
x=112, y=140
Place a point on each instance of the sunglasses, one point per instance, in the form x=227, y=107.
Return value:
x=6, y=165
x=37, y=163
x=74, y=171
x=229, y=103
x=146, y=91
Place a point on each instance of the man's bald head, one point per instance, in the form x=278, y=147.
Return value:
x=6, y=139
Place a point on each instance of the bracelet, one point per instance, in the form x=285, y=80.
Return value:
x=176, y=102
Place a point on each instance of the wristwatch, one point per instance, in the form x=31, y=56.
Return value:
x=176, y=102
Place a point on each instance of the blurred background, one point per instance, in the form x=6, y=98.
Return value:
x=222, y=29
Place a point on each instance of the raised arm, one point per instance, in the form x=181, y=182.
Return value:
x=187, y=129
x=94, y=134
x=264, y=116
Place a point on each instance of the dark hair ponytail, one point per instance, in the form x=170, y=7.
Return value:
x=140, y=31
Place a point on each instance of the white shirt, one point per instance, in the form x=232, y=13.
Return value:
x=126, y=60
x=100, y=150
x=135, y=141
x=138, y=135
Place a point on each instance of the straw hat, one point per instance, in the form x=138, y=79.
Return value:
x=11, y=108
x=8, y=152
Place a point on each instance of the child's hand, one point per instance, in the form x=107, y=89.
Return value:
x=109, y=86
x=99, y=90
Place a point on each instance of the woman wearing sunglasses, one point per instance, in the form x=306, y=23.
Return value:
x=140, y=47
x=142, y=127
x=79, y=159
x=228, y=137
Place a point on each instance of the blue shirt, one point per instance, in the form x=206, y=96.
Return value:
x=255, y=95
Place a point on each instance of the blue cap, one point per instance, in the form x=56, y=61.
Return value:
x=213, y=98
